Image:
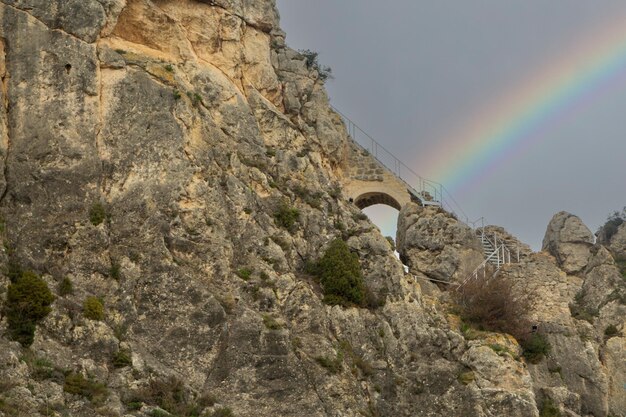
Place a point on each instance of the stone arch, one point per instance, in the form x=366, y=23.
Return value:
x=389, y=192
x=371, y=198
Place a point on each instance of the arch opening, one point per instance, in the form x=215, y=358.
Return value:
x=384, y=217
x=375, y=198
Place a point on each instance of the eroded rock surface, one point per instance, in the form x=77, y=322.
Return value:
x=434, y=243
x=569, y=241
x=208, y=149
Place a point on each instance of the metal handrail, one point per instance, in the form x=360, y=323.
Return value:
x=420, y=186
x=423, y=188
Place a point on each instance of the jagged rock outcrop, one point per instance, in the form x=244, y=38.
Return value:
x=177, y=161
x=434, y=243
x=569, y=241
x=572, y=375
x=616, y=242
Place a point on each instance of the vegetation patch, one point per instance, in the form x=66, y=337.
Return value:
x=360, y=216
x=491, y=304
x=580, y=312
x=332, y=365
x=41, y=369
x=97, y=213
x=501, y=350
x=122, y=358
x=612, y=224
x=611, y=331
x=312, y=62
x=93, y=309
x=223, y=412
x=549, y=409
x=28, y=303
x=66, y=287
x=286, y=216
x=244, y=273
x=466, y=378
x=536, y=347
x=313, y=199
x=270, y=322
x=170, y=395
x=77, y=384
x=340, y=275
x=115, y=271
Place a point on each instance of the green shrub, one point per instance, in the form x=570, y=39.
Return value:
x=340, y=275
x=611, y=331
x=14, y=270
x=170, y=395
x=466, y=378
x=536, y=347
x=310, y=57
x=76, y=384
x=223, y=412
x=196, y=99
x=122, y=358
x=115, y=271
x=549, y=409
x=335, y=192
x=612, y=224
x=270, y=322
x=332, y=365
x=28, y=302
x=244, y=273
x=40, y=369
x=93, y=309
x=580, y=312
x=286, y=216
x=313, y=199
x=359, y=216
x=66, y=287
x=97, y=213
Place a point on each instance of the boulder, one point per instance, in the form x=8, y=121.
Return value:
x=569, y=241
x=433, y=242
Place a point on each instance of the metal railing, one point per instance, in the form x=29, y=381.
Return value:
x=426, y=190
x=430, y=193
x=500, y=255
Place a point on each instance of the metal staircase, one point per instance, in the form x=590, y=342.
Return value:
x=430, y=193
x=497, y=253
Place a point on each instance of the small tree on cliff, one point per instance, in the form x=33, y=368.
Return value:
x=609, y=228
x=340, y=275
x=312, y=62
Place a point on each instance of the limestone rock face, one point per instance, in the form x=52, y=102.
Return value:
x=434, y=243
x=573, y=365
x=569, y=241
x=177, y=161
x=617, y=243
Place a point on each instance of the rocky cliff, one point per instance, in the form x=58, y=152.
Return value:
x=171, y=170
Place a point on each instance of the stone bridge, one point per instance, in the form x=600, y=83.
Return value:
x=372, y=175
x=367, y=182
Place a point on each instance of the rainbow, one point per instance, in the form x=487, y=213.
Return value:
x=518, y=120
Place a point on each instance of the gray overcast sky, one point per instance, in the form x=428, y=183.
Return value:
x=413, y=73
